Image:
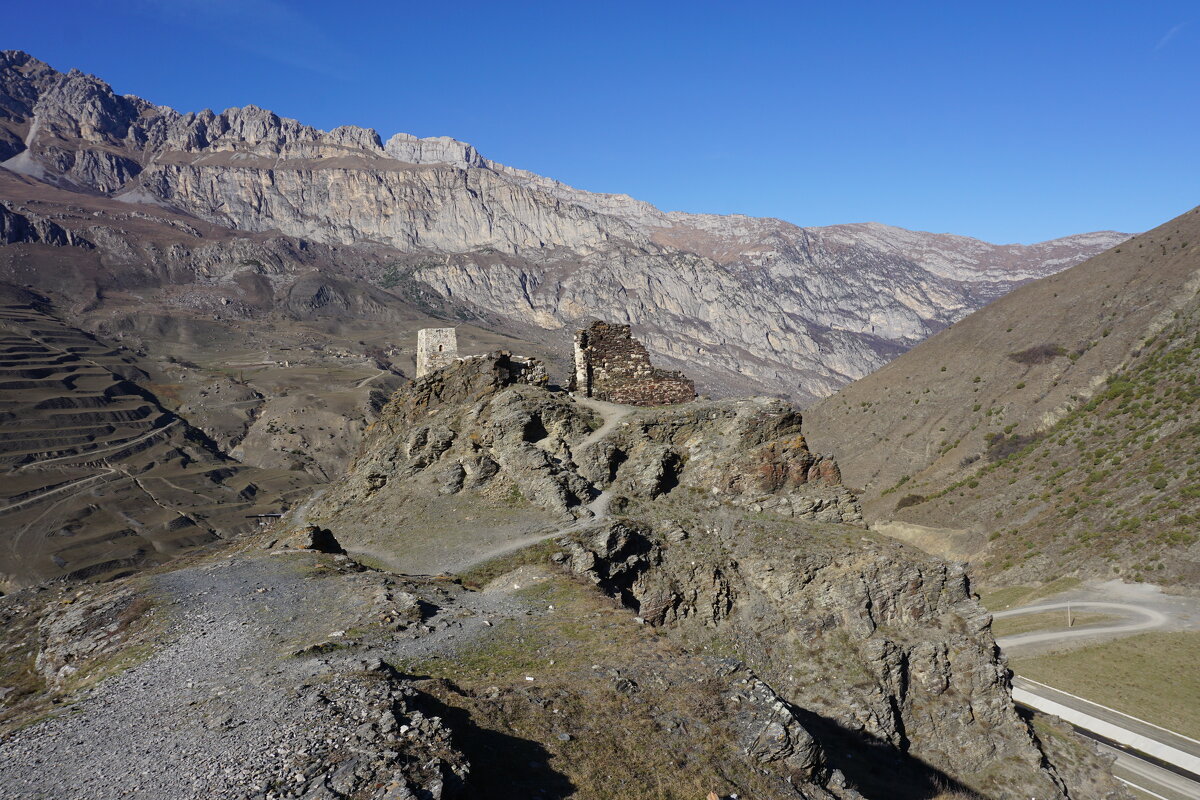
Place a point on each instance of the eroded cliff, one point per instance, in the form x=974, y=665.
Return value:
x=798, y=311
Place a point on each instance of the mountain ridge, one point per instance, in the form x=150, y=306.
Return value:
x=808, y=308
x=1078, y=380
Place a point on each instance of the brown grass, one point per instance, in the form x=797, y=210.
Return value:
x=1047, y=621
x=643, y=718
x=1152, y=676
x=1001, y=598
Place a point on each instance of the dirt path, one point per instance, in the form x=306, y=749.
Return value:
x=611, y=413
x=1145, y=607
x=222, y=706
x=56, y=490
x=188, y=717
x=365, y=381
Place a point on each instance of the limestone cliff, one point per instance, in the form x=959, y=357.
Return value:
x=798, y=311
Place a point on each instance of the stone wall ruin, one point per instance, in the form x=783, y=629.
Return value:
x=611, y=365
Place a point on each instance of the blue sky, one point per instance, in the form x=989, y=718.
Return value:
x=1008, y=121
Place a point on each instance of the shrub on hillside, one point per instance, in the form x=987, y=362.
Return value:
x=1038, y=354
x=909, y=500
x=1000, y=446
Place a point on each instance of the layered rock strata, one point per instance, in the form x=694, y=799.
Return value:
x=743, y=303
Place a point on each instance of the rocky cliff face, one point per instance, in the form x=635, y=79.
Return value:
x=714, y=523
x=475, y=427
x=798, y=311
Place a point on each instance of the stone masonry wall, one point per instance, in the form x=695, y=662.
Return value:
x=436, y=348
x=611, y=365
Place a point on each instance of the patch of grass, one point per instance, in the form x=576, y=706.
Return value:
x=1046, y=621
x=1001, y=598
x=480, y=575
x=1152, y=676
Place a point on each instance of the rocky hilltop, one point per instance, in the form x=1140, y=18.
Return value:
x=1049, y=434
x=517, y=592
x=714, y=523
x=798, y=311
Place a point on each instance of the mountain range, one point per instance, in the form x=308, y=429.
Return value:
x=742, y=303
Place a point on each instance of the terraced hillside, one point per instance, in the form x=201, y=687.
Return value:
x=97, y=475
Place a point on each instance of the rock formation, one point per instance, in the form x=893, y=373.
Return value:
x=713, y=522
x=479, y=426
x=611, y=365
x=743, y=303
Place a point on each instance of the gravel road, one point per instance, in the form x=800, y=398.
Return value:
x=223, y=709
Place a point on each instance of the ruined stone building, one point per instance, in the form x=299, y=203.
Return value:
x=436, y=348
x=611, y=365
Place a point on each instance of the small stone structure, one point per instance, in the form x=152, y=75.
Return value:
x=436, y=348
x=611, y=365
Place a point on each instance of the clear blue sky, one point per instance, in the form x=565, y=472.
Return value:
x=1010, y=121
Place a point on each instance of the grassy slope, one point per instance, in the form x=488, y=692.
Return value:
x=1058, y=422
x=1047, y=621
x=1152, y=676
x=1114, y=487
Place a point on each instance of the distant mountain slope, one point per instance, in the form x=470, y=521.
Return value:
x=1052, y=432
x=743, y=304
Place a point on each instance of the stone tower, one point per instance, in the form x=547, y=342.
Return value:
x=436, y=348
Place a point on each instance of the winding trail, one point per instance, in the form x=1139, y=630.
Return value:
x=365, y=381
x=1142, y=619
x=611, y=413
x=594, y=512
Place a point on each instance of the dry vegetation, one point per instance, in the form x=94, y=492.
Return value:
x=587, y=702
x=1061, y=421
x=1047, y=621
x=1014, y=596
x=1152, y=676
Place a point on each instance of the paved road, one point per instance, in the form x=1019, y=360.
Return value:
x=1151, y=779
x=1117, y=730
x=1141, y=619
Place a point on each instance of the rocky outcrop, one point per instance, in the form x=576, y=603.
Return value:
x=18, y=228
x=478, y=425
x=879, y=642
x=790, y=310
x=87, y=628
x=840, y=650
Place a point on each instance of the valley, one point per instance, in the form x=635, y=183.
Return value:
x=689, y=506
x=1028, y=439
